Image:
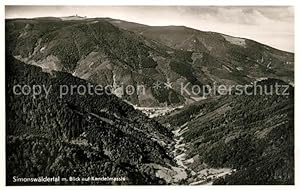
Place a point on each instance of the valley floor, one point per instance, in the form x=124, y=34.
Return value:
x=183, y=173
x=152, y=112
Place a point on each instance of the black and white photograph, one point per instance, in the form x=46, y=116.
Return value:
x=149, y=95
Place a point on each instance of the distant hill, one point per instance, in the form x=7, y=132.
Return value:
x=236, y=55
x=109, y=51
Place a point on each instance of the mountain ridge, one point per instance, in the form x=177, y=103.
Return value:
x=115, y=20
x=99, y=49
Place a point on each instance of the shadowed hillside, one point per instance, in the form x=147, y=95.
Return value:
x=76, y=135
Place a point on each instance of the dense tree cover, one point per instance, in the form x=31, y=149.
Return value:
x=72, y=40
x=81, y=135
x=96, y=49
x=250, y=55
x=34, y=156
x=23, y=34
x=253, y=134
x=72, y=44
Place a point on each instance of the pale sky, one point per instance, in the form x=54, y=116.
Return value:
x=273, y=26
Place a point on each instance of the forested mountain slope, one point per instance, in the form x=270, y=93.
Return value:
x=225, y=57
x=114, y=52
x=252, y=135
x=78, y=135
